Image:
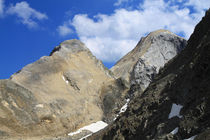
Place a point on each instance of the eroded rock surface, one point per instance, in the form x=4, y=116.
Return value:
x=184, y=83
x=138, y=68
x=152, y=52
x=55, y=95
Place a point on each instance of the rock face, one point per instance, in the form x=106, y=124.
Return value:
x=54, y=95
x=176, y=105
x=140, y=65
x=113, y=95
x=16, y=105
x=71, y=88
x=138, y=68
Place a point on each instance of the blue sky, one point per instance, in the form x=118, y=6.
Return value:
x=110, y=28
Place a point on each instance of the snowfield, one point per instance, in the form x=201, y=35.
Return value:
x=191, y=138
x=94, y=127
x=175, y=110
x=175, y=131
x=124, y=108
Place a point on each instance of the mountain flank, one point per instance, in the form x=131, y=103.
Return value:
x=176, y=105
x=70, y=89
x=138, y=68
x=150, y=54
x=55, y=95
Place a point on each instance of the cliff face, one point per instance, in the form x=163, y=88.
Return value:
x=140, y=65
x=54, y=95
x=71, y=88
x=138, y=68
x=176, y=105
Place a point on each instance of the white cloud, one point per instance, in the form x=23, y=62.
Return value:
x=199, y=5
x=110, y=37
x=108, y=49
x=26, y=14
x=1, y=7
x=119, y=2
x=64, y=30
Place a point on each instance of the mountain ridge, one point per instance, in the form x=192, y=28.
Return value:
x=71, y=88
x=183, y=83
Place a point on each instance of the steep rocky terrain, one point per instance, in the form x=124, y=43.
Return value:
x=176, y=105
x=55, y=95
x=69, y=89
x=150, y=54
x=138, y=68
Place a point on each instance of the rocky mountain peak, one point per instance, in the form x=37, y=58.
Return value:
x=150, y=54
x=176, y=105
x=71, y=89
x=65, y=91
x=69, y=46
x=138, y=68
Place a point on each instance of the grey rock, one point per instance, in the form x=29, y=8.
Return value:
x=152, y=52
x=142, y=75
x=185, y=81
x=163, y=47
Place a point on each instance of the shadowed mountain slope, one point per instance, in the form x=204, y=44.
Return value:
x=138, y=68
x=176, y=105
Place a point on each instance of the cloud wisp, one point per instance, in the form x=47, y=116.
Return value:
x=64, y=29
x=26, y=15
x=120, y=2
x=1, y=7
x=110, y=37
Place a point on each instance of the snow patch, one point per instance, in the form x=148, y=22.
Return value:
x=94, y=127
x=67, y=82
x=175, y=110
x=85, y=137
x=124, y=108
x=174, y=131
x=191, y=138
x=116, y=117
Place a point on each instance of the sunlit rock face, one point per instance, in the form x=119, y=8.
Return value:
x=137, y=69
x=176, y=105
x=151, y=53
x=63, y=91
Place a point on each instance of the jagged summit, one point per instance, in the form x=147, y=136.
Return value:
x=176, y=105
x=138, y=68
x=152, y=51
x=64, y=92
x=70, y=46
x=71, y=88
x=161, y=31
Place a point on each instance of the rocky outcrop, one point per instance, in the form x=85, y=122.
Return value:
x=16, y=105
x=71, y=88
x=138, y=68
x=176, y=105
x=140, y=65
x=55, y=95
x=113, y=95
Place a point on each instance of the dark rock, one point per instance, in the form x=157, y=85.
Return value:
x=184, y=80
